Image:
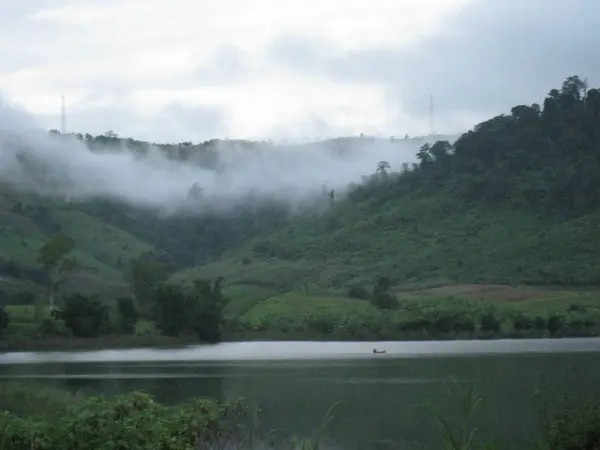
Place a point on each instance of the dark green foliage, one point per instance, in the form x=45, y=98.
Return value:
x=489, y=321
x=3, y=321
x=556, y=323
x=145, y=274
x=198, y=308
x=127, y=315
x=130, y=422
x=382, y=298
x=86, y=317
x=207, y=310
x=53, y=327
x=171, y=308
x=385, y=300
x=575, y=428
x=358, y=292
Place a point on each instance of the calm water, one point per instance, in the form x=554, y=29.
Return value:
x=384, y=397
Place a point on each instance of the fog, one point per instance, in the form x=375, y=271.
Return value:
x=34, y=161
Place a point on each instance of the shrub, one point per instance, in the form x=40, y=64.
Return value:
x=385, y=300
x=127, y=315
x=86, y=317
x=358, y=292
x=490, y=322
x=575, y=429
x=53, y=327
x=3, y=321
x=556, y=323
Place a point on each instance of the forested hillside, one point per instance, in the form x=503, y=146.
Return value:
x=515, y=200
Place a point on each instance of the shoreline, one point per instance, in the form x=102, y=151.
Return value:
x=115, y=342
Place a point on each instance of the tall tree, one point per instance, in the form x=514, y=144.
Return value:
x=145, y=275
x=55, y=257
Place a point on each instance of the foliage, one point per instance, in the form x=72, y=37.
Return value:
x=135, y=421
x=382, y=298
x=3, y=321
x=461, y=438
x=85, y=317
x=53, y=327
x=198, y=308
x=127, y=315
x=54, y=256
x=358, y=292
x=145, y=274
x=171, y=308
x=414, y=318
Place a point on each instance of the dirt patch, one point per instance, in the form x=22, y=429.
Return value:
x=481, y=291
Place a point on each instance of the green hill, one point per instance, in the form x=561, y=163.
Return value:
x=514, y=202
x=27, y=222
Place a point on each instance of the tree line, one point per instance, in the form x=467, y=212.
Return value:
x=174, y=308
x=543, y=158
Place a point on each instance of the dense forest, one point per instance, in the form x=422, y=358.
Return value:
x=538, y=162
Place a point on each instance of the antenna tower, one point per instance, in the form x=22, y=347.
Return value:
x=63, y=115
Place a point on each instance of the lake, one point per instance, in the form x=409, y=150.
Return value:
x=383, y=398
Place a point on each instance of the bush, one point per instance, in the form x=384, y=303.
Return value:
x=86, y=317
x=127, y=315
x=489, y=322
x=130, y=422
x=3, y=321
x=358, y=292
x=53, y=327
x=575, y=429
x=556, y=323
x=522, y=323
x=385, y=300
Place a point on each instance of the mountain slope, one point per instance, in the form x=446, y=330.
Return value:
x=516, y=200
x=27, y=222
x=418, y=238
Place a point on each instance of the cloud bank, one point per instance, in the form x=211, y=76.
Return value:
x=33, y=160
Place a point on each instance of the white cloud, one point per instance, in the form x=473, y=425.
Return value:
x=142, y=58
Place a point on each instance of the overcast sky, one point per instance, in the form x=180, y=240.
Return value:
x=180, y=70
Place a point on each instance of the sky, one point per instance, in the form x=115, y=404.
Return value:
x=191, y=71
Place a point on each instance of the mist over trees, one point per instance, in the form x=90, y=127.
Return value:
x=541, y=157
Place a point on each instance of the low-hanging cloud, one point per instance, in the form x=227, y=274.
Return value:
x=33, y=160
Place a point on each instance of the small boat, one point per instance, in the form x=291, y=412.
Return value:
x=378, y=351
